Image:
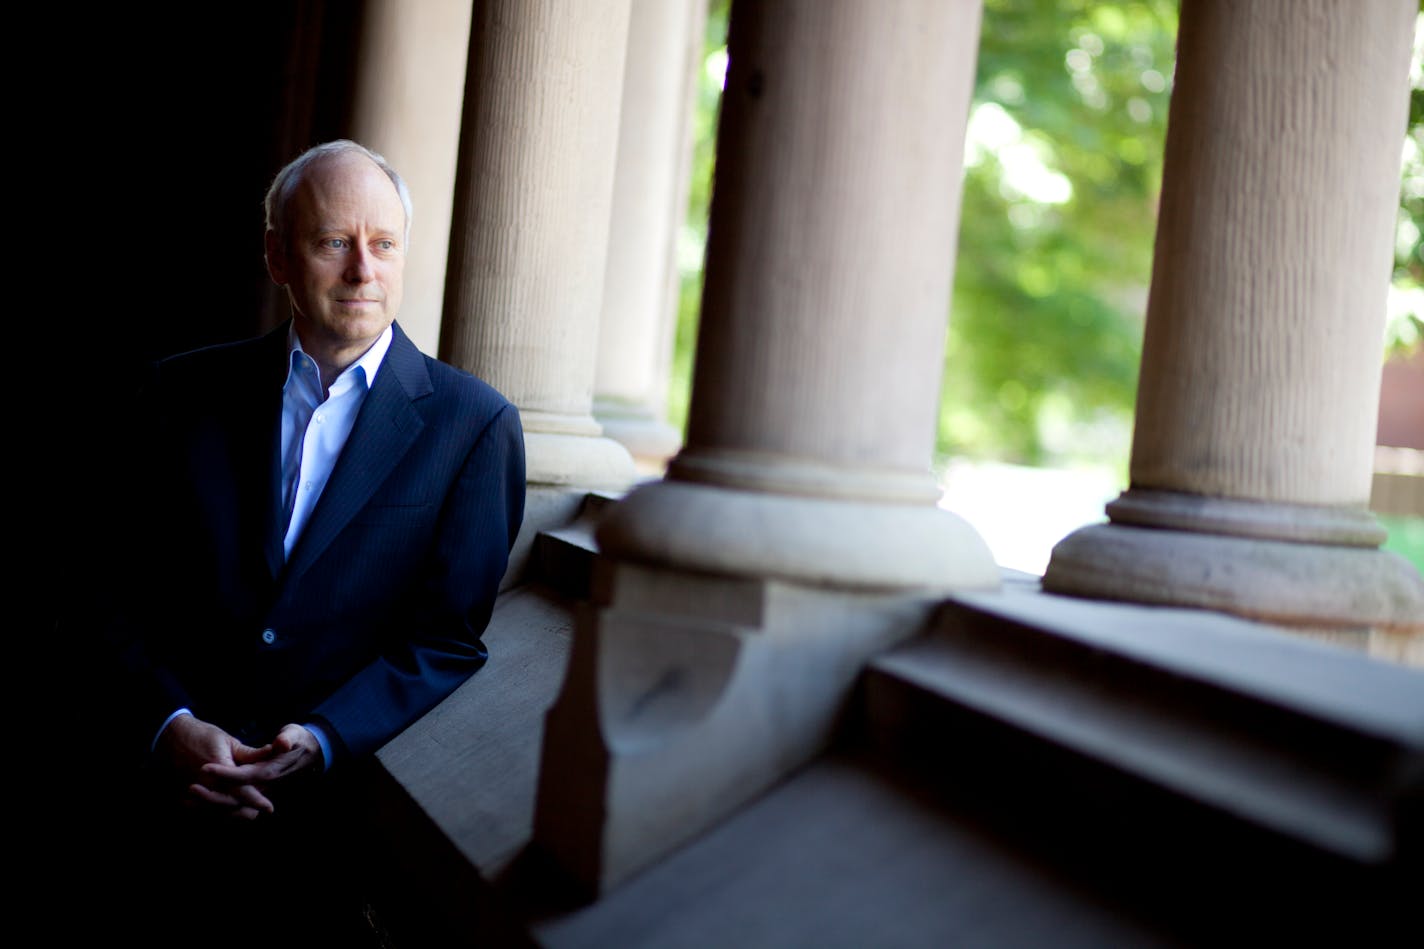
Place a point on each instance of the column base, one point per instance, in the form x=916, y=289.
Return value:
x=688, y=695
x=649, y=439
x=842, y=543
x=1330, y=525
x=583, y=461
x=1279, y=581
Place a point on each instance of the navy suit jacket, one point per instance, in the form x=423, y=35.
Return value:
x=377, y=614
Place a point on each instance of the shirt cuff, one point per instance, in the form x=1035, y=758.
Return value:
x=325, y=741
x=153, y=746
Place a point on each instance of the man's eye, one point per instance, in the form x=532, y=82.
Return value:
x=335, y=243
x=386, y=245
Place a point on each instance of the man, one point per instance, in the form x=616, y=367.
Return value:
x=323, y=516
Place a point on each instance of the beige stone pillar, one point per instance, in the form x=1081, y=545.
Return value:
x=829, y=266
x=530, y=234
x=797, y=533
x=640, y=291
x=1256, y=408
x=406, y=105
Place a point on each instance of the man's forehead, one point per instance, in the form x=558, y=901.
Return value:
x=347, y=181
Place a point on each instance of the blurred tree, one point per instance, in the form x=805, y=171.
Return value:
x=1405, y=331
x=692, y=239
x=1063, y=166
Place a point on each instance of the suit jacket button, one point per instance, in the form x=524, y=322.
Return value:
x=269, y=636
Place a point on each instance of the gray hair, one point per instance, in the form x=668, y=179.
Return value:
x=279, y=196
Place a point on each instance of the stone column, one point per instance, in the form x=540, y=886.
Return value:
x=829, y=267
x=797, y=533
x=1256, y=409
x=641, y=283
x=530, y=234
x=406, y=105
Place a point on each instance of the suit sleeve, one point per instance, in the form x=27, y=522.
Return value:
x=438, y=645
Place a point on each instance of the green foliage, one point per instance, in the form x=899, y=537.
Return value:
x=1063, y=166
x=1406, y=537
x=1405, y=330
x=693, y=237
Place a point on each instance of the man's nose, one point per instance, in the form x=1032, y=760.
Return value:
x=358, y=266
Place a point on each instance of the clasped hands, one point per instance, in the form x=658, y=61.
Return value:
x=226, y=777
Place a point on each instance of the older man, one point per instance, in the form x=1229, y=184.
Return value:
x=324, y=515
x=311, y=530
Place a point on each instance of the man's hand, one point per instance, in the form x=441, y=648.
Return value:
x=190, y=746
x=295, y=749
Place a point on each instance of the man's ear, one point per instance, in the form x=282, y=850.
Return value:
x=276, y=258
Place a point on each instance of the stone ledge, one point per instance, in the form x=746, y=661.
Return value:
x=471, y=765
x=1318, y=744
x=845, y=854
x=563, y=556
x=1034, y=769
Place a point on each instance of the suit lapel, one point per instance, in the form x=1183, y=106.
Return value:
x=386, y=426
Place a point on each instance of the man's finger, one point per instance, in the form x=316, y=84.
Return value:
x=246, y=754
x=263, y=772
x=254, y=798
x=209, y=796
x=294, y=737
x=244, y=798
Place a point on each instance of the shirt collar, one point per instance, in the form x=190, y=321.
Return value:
x=370, y=361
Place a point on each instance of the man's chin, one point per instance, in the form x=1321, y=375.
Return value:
x=345, y=332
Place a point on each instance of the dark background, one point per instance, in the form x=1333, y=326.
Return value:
x=153, y=134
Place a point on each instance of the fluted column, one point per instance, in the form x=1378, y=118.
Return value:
x=640, y=292
x=829, y=266
x=530, y=232
x=797, y=534
x=1256, y=410
x=406, y=105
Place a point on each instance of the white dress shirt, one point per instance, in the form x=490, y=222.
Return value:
x=314, y=430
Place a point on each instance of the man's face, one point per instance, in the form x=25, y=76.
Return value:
x=344, y=256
